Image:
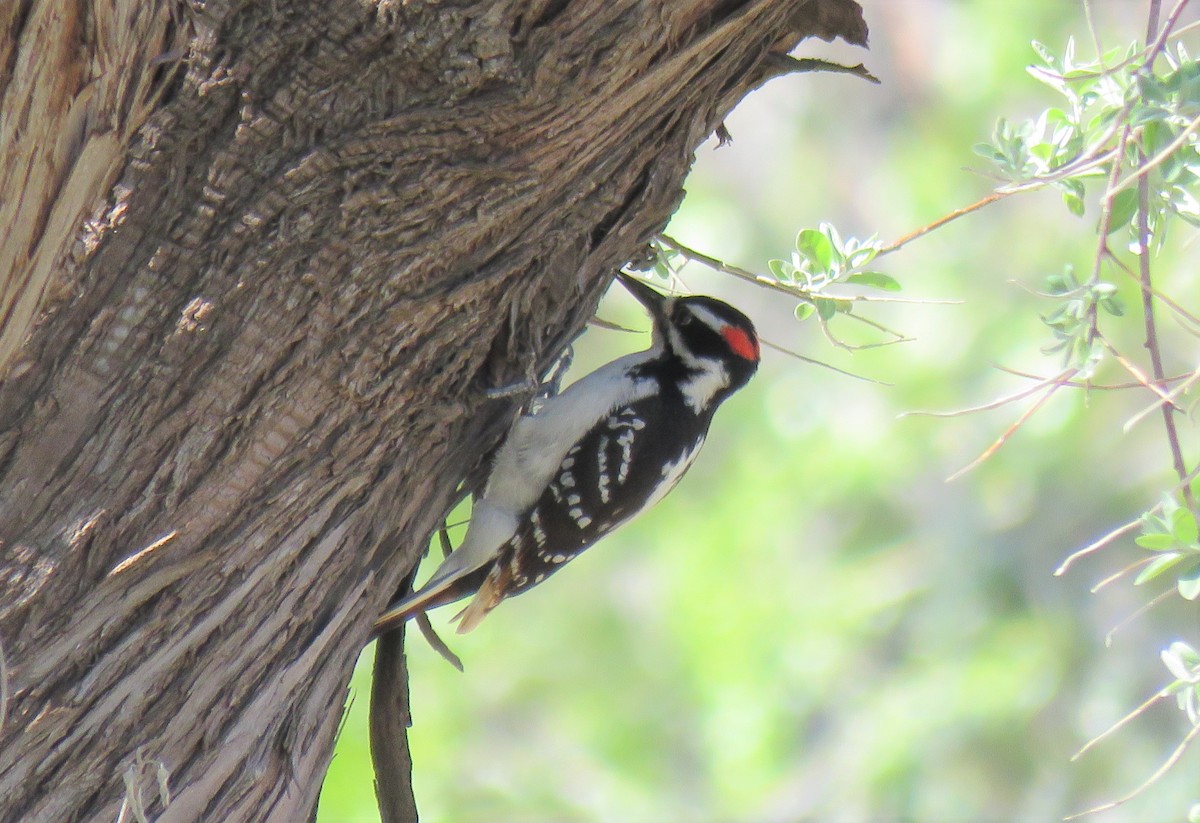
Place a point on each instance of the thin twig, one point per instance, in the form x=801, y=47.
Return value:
x=721, y=266
x=1152, y=23
x=1120, y=530
x=1099, y=544
x=1150, y=781
x=822, y=364
x=1165, y=299
x=1084, y=384
x=1091, y=24
x=1170, y=398
x=1106, y=212
x=1009, y=432
x=1136, y=373
x=937, y=224
x=435, y=641
x=1138, y=612
x=994, y=404
x=875, y=324
x=1182, y=30
x=1144, y=169
x=834, y=341
x=1159, y=695
x=1156, y=365
x=1115, y=576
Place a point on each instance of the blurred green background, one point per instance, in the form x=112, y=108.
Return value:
x=816, y=625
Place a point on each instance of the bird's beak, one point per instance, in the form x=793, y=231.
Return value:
x=648, y=297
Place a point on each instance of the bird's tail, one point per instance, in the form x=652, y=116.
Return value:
x=427, y=598
x=490, y=593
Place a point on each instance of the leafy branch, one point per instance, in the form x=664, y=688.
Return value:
x=1122, y=140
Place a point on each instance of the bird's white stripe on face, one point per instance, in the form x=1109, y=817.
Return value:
x=698, y=390
x=690, y=360
x=708, y=318
x=710, y=375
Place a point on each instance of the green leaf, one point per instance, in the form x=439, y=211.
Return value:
x=1189, y=584
x=1160, y=564
x=1156, y=137
x=804, y=311
x=1122, y=210
x=1113, y=306
x=989, y=151
x=781, y=270
x=816, y=248
x=1183, y=526
x=1063, y=282
x=875, y=279
x=1155, y=542
x=1074, y=203
x=1151, y=88
x=825, y=308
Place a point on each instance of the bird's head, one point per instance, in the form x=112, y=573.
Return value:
x=708, y=335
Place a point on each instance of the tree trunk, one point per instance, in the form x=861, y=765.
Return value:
x=240, y=394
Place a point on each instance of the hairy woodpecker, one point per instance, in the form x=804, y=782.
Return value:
x=608, y=447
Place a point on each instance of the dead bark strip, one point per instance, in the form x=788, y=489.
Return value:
x=249, y=385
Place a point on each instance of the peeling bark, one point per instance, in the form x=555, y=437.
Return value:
x=249, y=384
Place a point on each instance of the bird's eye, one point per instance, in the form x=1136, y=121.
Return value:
x=685, y=319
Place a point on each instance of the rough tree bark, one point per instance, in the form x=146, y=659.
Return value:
x=260, y=261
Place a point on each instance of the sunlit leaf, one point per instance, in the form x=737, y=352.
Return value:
x=781, y=270
x=1158, y=566
x=875, y=279
x=816, y=248
x=1183, y=526
x=1155, y=542
x=1189, y=584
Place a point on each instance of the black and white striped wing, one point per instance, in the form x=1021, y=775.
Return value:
x=616, y=471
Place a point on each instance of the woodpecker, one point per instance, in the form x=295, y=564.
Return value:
x=608, y=447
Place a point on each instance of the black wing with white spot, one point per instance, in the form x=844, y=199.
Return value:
x=627, y=462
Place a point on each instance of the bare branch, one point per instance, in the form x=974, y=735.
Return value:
x=937, y=224
x=1152, y=345
x=1159, y=695
x=1099, y=544
x=821, y=363
x=1150, y=781
x=995, y=404
x=1009, y=432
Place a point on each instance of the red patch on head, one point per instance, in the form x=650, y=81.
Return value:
x=742, y=344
